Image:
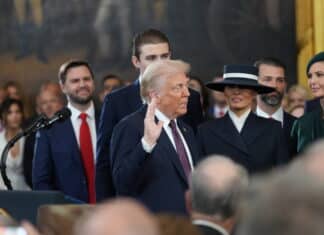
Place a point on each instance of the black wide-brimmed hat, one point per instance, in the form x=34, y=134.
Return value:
x=245, y=76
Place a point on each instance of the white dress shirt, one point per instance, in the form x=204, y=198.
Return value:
x=239, y=121
x=211, y=225
x=76, y=123
x=278, y=115
x=166, y=121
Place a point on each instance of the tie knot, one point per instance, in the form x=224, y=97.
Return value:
x=173, y=125
x=83, y=116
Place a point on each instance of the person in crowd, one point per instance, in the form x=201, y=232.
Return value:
x=219, y=105
x=296, y=96
x=195, y=83
x=214, y=192
x=288, y=201
x=65, y=153
x=12, y=118
x=50, y=99
x=254, y=142
x=13, y=90
x=117, y=217
x=310, y=127
x=148, y=46
x=152, y=149
x=297, y=111
x=110, y=82
x=272, y=72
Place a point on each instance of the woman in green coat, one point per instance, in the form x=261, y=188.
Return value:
x=310, y=127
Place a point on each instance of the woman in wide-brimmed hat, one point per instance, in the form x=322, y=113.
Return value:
x=310, y=127
x=254, y=142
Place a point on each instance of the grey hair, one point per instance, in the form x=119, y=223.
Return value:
x=158, y=72
x=216, y=194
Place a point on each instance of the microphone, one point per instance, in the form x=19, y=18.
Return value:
x=37, y=124
x=60, y=116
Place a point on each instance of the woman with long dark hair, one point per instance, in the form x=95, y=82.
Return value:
x=11, y=114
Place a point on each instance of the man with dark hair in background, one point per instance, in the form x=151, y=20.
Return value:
x=148, y=46
x=110, y=82
x=272, y=72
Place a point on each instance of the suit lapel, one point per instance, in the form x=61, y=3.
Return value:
x=66, y=132
x=171, y=153
x=228, y=132
x=252, y=128
x=189, y=140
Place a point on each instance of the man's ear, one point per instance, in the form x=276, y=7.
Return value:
x=62, y=87
x=135, y=62
x=188, y=201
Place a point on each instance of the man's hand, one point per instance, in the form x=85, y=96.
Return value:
x=152, y=130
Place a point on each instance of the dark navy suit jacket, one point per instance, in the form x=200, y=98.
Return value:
x=259, y=147
x=156, y=179
x=117, y=105
x=57, y=163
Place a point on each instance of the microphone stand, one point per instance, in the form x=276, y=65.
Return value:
x=39, y=123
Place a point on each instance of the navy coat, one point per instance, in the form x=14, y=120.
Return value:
x=259, y=147
x=156, y=179
x=118, y=105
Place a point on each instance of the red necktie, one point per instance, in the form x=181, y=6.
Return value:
x=87, y=156
x=180, y=149
x=221, y=113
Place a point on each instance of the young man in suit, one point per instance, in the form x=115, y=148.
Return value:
x=65, y=153
x=148, y=46
x=272, y=72
x=214, y=194
x=152, y=150
x=254, y=142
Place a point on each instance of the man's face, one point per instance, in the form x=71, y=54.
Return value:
x=296, y=99
x=150, y=53
x=172, y=96
x=49, y=103
x=218, y=97
x=110, y=85
x=239, y=99
x=79, y=85
x=272, y=76
x=13, y=92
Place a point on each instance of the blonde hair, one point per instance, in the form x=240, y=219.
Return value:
x=159, y=71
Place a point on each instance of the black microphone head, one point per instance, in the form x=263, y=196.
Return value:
x=63, y=113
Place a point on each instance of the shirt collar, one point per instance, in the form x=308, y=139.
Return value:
x=211, y=225
x=278, y=115
x=161, y=116
x=75, y=113
x=242, y=118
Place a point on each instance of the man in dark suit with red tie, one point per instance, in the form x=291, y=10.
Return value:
x=152, y=150
x=65, y=154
